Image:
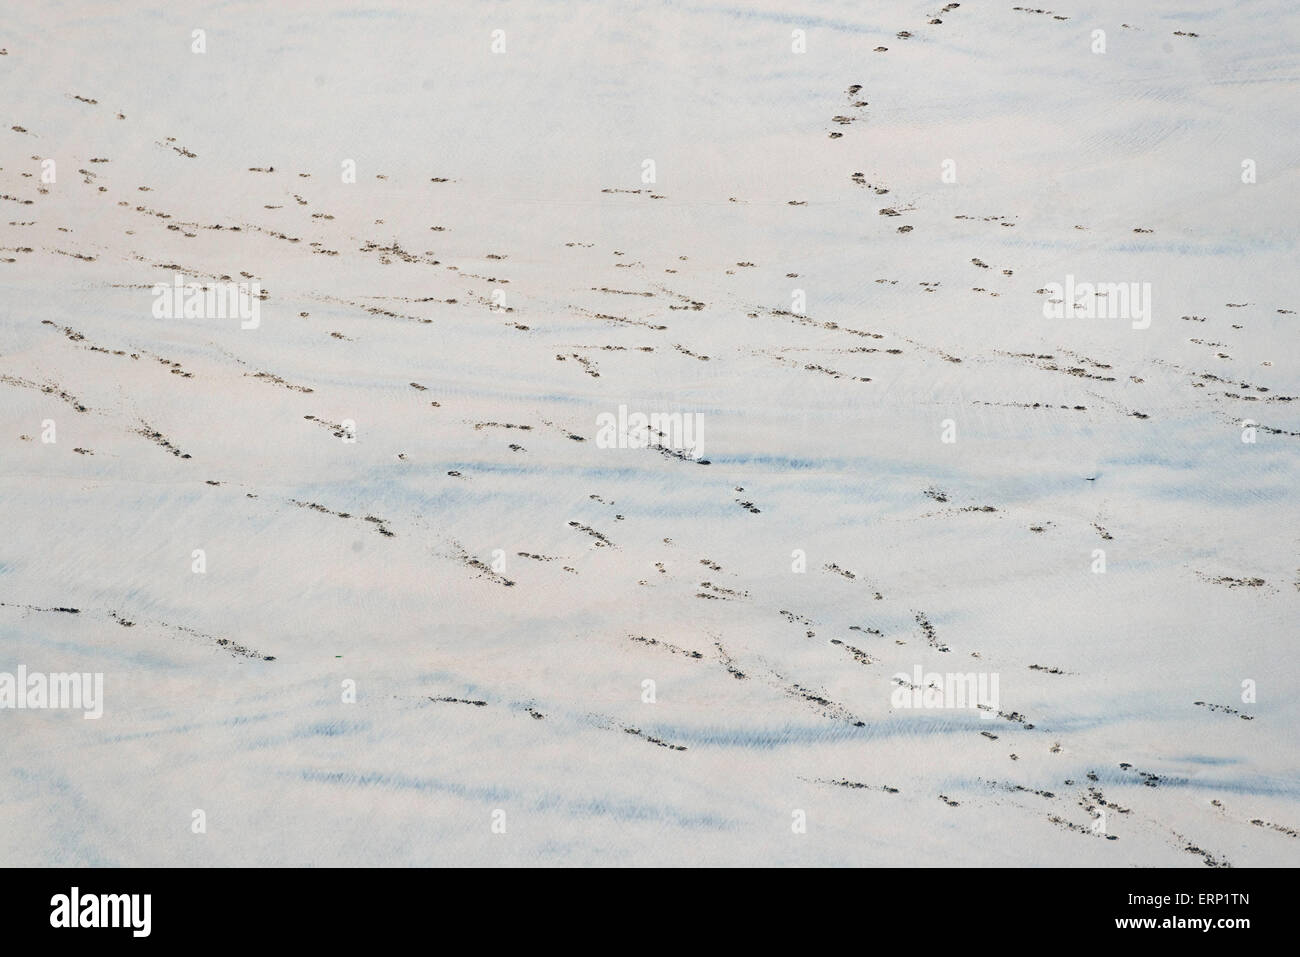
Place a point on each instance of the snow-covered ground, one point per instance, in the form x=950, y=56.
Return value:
x=394, y=484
